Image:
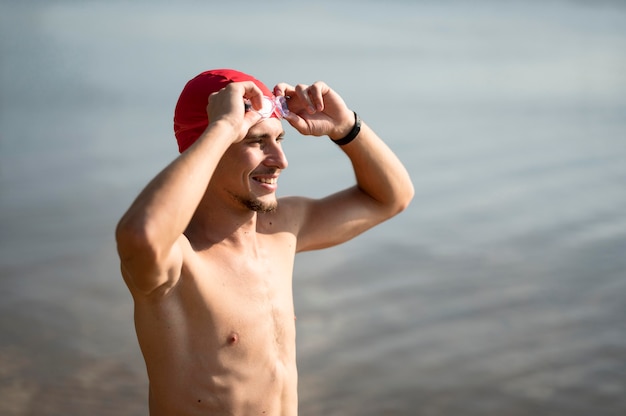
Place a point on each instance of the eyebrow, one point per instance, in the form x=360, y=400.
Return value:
x=264, y=136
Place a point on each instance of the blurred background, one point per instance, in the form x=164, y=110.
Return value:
x=500, y=291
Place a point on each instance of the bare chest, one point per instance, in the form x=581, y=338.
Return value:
x=225, y=332
x=242, y=300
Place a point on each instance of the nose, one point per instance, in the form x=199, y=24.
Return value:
x=275, y=156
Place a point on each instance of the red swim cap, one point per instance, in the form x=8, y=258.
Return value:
x=190, y=116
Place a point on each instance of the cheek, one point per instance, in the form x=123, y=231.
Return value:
x=249, y=159
x=237, y=164
x=237, y=157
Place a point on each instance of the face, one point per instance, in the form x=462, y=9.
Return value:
x=249, y=170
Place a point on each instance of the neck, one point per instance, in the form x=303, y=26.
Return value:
x=211, y=225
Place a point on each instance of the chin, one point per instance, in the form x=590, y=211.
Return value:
x=260, y=205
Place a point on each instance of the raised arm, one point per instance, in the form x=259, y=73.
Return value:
x=150, y=234
x=383, y=186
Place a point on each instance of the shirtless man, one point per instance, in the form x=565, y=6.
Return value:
x=207, y=250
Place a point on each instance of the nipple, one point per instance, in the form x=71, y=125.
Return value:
x=233, y=338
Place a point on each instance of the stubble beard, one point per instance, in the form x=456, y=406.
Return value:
x=256, y=205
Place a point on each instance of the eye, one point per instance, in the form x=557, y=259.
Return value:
x=255, y=141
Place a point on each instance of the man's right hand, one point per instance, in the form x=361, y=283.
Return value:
x=227, y=105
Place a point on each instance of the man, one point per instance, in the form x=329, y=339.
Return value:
x=207, y=250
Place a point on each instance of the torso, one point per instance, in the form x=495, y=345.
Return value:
x=222, y=340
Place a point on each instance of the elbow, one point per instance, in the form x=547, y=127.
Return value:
x=404, y=198
x=396, y=202
x=410, y=193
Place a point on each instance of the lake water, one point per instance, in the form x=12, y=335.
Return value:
x=500, y=291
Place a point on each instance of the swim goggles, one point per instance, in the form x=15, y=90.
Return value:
x=276, y=106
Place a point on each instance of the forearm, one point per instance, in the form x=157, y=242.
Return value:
x=164, y=208
x=379, y=172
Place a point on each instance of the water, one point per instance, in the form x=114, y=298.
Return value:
x=499, y=291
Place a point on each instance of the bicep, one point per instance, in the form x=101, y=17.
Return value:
x=337, y=218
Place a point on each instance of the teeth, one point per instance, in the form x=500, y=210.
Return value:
x=269, y=181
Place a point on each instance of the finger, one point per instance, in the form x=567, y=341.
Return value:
x=298, y=123
x=253, y=93
x=252, y=118
x=316, y=95
x=303, y=93
x=283, y=89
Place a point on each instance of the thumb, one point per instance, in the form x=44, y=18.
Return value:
x=298, y=123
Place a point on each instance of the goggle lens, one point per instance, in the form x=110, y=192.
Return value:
x=276, y=106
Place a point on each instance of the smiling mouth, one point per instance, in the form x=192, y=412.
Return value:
x=267, y=181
